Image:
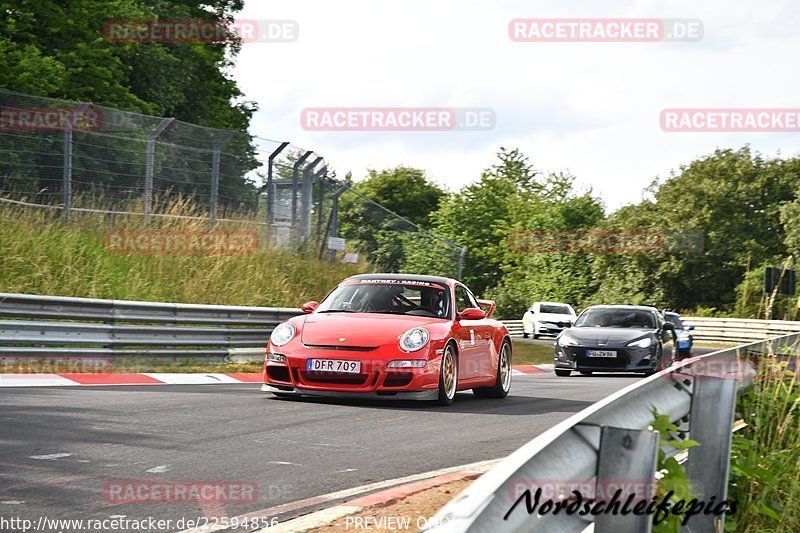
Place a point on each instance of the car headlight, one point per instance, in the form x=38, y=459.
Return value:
x=684, y=336
x=641, y=343
x=567, y=340
x=414, y=339
x=282, y=334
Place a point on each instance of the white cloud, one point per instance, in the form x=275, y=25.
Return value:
x=591, y=108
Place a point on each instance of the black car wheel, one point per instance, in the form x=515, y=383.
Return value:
x=563, y=373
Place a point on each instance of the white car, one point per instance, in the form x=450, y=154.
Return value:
x=547, y=318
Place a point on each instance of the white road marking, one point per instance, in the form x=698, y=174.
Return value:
x=12, y=502
x=158, y=469
x=346, y=470
x=50, y=456
x=282, y=463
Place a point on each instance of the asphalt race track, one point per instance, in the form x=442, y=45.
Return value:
x=61, y=447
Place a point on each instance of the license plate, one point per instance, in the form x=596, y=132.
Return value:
x=601, y=353
x=333, y=365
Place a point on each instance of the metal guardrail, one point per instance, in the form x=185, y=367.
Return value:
x=739, y=329
x=716, y=329
x=611, y=441
x=52, y=325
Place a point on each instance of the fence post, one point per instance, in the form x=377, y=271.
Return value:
x=271, y=184
x=150, y=164
x=320, y=176
x=212, y=210
x=460, y=266
x=66, y=186
x=711, y=424
x=295, y=179
x=306, y=200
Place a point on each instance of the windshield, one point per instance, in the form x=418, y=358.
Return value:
x=369, y=296
x=616, y=318
x=555, y=309
x=675, y=320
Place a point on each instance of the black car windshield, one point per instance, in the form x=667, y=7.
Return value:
x=616, y=318
x=401, y=298
x=675, y=320
x=554, y=309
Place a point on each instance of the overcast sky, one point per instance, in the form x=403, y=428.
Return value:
x=588, y=108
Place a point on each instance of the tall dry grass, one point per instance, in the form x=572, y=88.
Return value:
x=41, y=254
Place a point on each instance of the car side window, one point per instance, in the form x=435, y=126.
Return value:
x=464, y=299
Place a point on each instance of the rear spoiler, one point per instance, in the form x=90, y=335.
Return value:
x=490, y=304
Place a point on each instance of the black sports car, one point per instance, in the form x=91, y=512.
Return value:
x=616, y=338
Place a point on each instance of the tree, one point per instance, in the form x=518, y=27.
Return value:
x=479, y=216
x=731, y=199
x=58, y=49
x=403, y=190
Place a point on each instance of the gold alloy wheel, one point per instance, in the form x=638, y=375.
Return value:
x=449, y=372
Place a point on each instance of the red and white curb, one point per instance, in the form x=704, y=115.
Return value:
x=164, y=378
x=91, y=379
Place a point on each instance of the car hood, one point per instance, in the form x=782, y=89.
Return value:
x=359, y=329
x=607, y=336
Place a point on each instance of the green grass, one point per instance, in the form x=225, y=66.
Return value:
x=765, y=458
x=42, y=255
x=525, y=353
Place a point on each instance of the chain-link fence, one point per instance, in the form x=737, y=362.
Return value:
x=81, y=157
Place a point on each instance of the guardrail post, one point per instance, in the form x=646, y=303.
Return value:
x=711, y=420
x=626, y=461
x=149, y=166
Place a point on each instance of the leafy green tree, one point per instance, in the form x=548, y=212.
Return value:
x=731, y=200
x=479, y=216
x=58, y=49
x=402, y=190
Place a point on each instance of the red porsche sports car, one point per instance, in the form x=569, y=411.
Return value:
x=391, y=336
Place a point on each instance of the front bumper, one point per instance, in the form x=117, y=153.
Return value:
x=373, y=380
x=627, y=359
x=423, y=395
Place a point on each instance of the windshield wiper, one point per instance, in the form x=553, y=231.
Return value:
x=337, y=311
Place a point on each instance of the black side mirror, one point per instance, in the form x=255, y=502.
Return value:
x=669, y=326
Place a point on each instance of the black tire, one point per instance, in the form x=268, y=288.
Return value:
x=563, y=373
x=502, y=383
x=446, y=396
x=586, y=372
x=524, y=335
x=536, y=336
